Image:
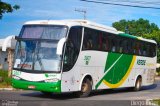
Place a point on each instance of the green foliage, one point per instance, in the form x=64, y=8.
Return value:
x=5, y=80
x=7, y=8
x=158, y=71
x=136, y=27
x=155, y=35
x=156, y=101
x=3, y=73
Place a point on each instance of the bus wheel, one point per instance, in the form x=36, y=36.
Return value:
x=86, y=88
x=138, y=84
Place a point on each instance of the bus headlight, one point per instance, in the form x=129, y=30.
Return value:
x=52, y=80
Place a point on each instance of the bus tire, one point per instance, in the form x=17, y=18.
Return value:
x=86, y=89
x=138, y=84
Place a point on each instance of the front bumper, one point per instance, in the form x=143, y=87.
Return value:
x=54, y=87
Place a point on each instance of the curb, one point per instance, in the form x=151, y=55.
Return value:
x=10, y=89
x=6, y=89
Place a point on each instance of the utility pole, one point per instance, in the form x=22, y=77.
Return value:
x=82, y=11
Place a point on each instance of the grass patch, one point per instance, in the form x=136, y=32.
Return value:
x=158, y=71
x=156, y=101
x=4, y=80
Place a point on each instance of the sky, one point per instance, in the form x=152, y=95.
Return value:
x=11, y=23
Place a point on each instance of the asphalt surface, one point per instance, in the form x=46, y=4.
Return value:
x=116, y=97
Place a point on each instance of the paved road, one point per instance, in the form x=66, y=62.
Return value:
x=118, y=97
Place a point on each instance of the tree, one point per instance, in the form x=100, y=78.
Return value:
x=7, y=8
x=155, y=35
x=136, y=27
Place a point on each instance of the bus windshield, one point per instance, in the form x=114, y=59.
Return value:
x=37, y=53
x=43, y=31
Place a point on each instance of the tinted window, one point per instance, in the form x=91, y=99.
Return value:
x=91, y=39
x=104, y=41
x=72, y=48
x=96, y=40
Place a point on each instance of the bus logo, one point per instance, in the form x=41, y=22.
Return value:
x=16, y=72
x=87, y=59
x=141, y=62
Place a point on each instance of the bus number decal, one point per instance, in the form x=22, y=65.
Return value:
x=87, y=59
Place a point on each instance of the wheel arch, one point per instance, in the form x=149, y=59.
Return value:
x=87, y=75
x=136, y=78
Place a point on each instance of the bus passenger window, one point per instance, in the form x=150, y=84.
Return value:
x=120, y=46
x=87, y=40
x=107, y=44
x=72, y=48
x=113, y=46
x=100, y=44
x=124, y=46
x=104, y=43
x=129, y=45
x=95, y=40
x=144, y=50
x=134, y=47
x=154, y=50
x=84, y=47
x=89, y=44
x=140, y=48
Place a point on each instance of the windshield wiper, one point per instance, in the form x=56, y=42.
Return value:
x=36, y=39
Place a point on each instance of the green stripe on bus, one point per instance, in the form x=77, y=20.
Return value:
x=127, y=35
x=117, y=66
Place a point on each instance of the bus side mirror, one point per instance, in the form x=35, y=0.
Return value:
x=60, y=46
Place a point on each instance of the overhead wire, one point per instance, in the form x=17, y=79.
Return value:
x=120, y=4
x=138, y=2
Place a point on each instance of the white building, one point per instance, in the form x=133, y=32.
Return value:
x=7, y=46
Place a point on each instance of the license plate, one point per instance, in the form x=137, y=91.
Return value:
x=31, y=87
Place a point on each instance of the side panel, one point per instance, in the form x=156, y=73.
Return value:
x=87, y=64
x=109, y=70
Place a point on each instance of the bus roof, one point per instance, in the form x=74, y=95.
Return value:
x=136, y=37
x=70, y=23
x=85, y=23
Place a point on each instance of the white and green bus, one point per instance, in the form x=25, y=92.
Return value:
x=56, y=56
